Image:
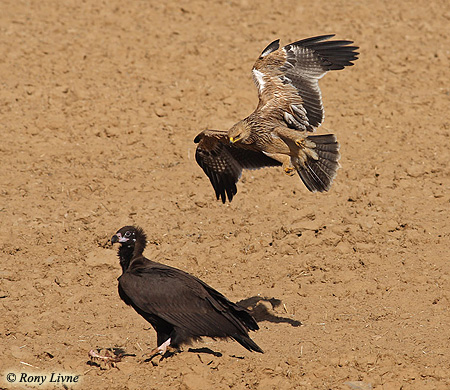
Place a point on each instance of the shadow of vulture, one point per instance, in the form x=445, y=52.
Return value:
x=261, y=313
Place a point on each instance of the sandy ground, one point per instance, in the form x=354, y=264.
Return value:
x=99, y=104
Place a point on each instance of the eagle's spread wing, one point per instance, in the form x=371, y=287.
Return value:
x=288, y=79
x=223, y=163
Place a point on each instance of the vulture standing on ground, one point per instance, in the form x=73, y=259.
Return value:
x=180, y=307
x=278, y=131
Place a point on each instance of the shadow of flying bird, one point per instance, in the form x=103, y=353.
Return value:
x=260, y=312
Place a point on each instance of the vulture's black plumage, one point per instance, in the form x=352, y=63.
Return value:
x=179, y=306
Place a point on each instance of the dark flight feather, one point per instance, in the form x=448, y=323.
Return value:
x=223, y=163
x=307, y=61
x=270, y=48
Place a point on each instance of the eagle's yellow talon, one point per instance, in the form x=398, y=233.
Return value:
x=289, y=171
x=300, y=143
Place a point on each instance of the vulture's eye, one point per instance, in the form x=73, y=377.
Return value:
x=127, y=234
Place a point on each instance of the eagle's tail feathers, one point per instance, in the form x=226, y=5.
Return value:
x=317, y=162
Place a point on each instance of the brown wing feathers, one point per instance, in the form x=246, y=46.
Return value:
x=218, y=163
x=334, y=55
x=307, y=61
x=289, y=95
x=223, y=163
x=330, y=55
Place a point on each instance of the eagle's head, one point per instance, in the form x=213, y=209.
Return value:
x=240, y=133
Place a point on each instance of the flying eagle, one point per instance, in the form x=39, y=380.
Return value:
x=179, y=306
x=277, y=132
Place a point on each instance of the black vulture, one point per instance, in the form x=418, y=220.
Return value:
x=180, y=307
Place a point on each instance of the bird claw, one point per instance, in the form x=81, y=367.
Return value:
x=289, y=171
x=300, y=143
x=165, y=350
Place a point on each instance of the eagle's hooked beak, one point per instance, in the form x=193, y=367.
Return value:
x=233, y=140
